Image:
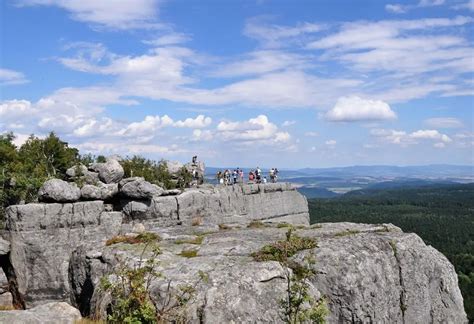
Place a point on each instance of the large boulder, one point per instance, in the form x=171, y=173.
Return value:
x=56, y=190
x=139, y=188
x=57, y=313
x=109, y=172
x=81, y=173
x=367, y=274
x=100, y=192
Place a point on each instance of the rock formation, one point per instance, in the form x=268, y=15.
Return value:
x=55, y=252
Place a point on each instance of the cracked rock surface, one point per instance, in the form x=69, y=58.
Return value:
x=357, y=270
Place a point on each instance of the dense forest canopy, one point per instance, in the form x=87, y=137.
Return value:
x=443, y=216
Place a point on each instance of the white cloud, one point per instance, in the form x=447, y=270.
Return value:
x=202, y=135
x=287, y=123
x=395, y=8
x=430, y=134
x=116, y=14
x=399, y=8
x=439, y=145
x=10, y=77
x=168, y=39
x=444, y=122
x=200, y=121
x=350, y=109
x=403, y=138
x=330, y=142
x=273, y=35
x=469, y=5
x=258, y=129
x=311, y=134
x=263, y=61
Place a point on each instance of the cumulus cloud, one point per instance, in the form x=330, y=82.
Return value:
x=10, y=77
x=330, y=142
x=351, y=109
x=403, y=138
x=258, y=129
x=123, y=14
x=200, y=121
x=444, y=122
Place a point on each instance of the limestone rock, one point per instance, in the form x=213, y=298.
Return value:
x=110, y=171
x=372, y=274
x=4, y=246
x=82, y=173
x=42, y=238
x=57, y=313
x=56, y=190
x=100, y=192
x=138, y=188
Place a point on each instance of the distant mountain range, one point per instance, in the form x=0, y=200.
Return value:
x=332, y=182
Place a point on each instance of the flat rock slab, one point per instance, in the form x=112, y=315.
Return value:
x=51, y=313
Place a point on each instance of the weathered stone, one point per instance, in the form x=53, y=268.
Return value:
x=57, y=313
x=372, y=274
x=81, y=173
x=110, y=171
x=6, y=299
x=42, y=238
x=100, y=192
x=56, y=190
x=4, y=246
x=138, y=188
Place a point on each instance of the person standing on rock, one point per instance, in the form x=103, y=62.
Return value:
x=241, y=175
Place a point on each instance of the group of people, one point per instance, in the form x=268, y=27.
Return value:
x=236, y=176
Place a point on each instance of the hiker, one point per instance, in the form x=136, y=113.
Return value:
x=219, y=177
x=258, y=174
x=195, y=159
x=251, y=177
x=241, y=175
x=272, y=175
x=234, y=176
x=264, y=179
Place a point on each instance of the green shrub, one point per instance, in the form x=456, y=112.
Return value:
x=298, y=306
x=282, y=250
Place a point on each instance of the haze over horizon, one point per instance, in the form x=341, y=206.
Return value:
x=244, y=83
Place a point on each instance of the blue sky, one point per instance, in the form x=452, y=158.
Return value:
x=285, y=83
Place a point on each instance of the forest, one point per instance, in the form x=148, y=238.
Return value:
x=442, y=215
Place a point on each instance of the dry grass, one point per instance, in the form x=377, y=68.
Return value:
x=346, y=233
x=140, y=238
x=196, y=221
x=256, y=224
x=197, y=240
x=7, y=307
x=189, y=253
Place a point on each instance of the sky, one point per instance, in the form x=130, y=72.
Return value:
x=289, y=84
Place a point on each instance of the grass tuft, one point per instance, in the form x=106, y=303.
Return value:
x=189, y=253
x=146, y=237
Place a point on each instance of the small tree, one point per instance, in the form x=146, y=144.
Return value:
x=298, y=306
